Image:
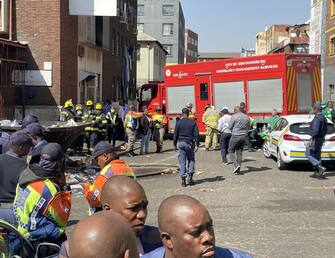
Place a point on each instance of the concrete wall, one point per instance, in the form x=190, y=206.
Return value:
x=150, y=67
x=153, y=20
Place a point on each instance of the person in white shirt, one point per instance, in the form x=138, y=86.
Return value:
x=225, y=133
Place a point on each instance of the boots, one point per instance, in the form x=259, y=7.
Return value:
x=158, y=149
x=183, y=182
x=190, y=180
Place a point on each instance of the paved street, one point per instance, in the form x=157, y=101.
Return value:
x=267, y=212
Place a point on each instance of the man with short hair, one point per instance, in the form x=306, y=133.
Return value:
x=29, y=119
x=186, y=229
x=225, y=133
x=110, y=165
x=37, y=133
x=105, y=235
x=239, y=126
x=127, y=197
x=186, y=139
x=319, y=129
x=12, y=163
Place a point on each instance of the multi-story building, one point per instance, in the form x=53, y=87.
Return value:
x=270, y=38
x=210, y=56
x=191, y=46
x=328, y=49
x=164, y=20
x=151, y=59
x=296, y=42
x=69, y=56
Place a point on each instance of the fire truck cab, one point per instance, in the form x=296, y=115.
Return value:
x=288, y=82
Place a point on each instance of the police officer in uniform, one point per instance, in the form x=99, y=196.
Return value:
x=113, y=120
x=318, y=132
x=42, y=205
x=186, y=139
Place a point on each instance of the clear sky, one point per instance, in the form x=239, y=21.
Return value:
x=228, y=25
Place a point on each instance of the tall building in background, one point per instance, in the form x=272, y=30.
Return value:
x=191, y=46
x=164, y=20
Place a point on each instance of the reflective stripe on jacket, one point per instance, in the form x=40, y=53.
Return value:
x=117, y=167
x=88, y=117
x=41, y=210
x=131, y=120
x=159, y=120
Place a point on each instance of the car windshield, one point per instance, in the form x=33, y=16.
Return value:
x=304, y=128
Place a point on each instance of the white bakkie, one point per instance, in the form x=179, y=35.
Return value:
x=287, y=141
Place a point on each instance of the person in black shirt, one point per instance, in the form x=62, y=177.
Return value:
x=186, y=137
x=12, y=164
x=37, y=133
x=318, y=130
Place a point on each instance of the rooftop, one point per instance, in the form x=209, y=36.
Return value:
x=218, y=55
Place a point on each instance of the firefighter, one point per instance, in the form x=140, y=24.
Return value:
x=159, y=123
x=99, y=126
x=78, y=143
x=191, y=115
x=42, y=205
x=131, y=123
x=88, y=117
x=210, y=119
x=113, y=121
x=67, y=112
x=110, y=165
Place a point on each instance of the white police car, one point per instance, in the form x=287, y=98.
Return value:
x=287, y=141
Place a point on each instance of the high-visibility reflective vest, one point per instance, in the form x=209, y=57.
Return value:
x=100, y=124
x=89, y=117
x=159, y=120
x=42, y=211
x=131, y=120
x=117, y=167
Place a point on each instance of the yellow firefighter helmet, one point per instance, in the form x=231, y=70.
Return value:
x=79, y=107
x=89, y=102
x=68, y=103
x=98, y=106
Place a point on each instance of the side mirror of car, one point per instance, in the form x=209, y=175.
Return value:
x=47, y=250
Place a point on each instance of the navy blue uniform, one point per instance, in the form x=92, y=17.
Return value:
x=186, y=135
x=318, y=132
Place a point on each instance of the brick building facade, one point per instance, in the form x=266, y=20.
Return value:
x=73, y=57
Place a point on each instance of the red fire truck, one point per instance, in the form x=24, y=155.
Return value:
x=288, y=82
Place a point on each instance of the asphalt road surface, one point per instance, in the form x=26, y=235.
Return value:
x=267, y=212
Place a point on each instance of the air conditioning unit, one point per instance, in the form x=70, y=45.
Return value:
x=81, y=51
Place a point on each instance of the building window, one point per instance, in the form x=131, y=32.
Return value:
x=203, y=91
x=138, y=52
x=167, y=29
x=332, y=8
x=140, y=10
x=332, y=45
x=113, y=42
x=167, y=10
x=168, y=49
x=140, y=27
x=99, y=30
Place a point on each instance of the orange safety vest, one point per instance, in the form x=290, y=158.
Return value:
x=117, y=167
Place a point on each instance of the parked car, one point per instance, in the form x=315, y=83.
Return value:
x=289, y=137
x=14, y=244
